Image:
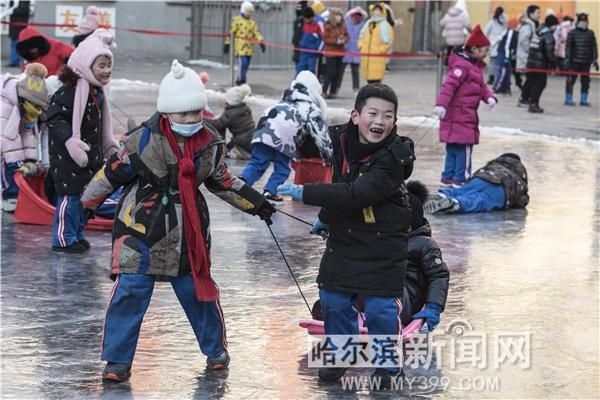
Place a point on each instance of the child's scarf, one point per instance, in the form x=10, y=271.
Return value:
x=198, y=254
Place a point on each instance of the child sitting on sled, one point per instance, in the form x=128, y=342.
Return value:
x=366, y=212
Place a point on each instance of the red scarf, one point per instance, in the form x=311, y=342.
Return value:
x=198, y=254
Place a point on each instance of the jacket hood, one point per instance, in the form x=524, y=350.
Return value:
x=29, y=33
x=458, y=58
x=299, y=92
x=8, y=83
x=30, y=38
x=423, y=230
x=357, y=10
x=454, y=11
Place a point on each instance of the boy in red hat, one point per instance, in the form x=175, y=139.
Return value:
x=457, y=104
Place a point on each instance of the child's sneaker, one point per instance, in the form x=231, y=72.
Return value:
x=439, y=202
x=387, y=377
x=76, y=247
x=9, y=205
x=85, y=244
x=116, y=372
x=272, y=197
x=457, y=184
x=522, y=103
x=331, y=374
x=219, y=362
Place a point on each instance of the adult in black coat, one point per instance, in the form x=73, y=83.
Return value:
x=18, y=21
x=297, y=29
x=581, y=54
x=541, y=57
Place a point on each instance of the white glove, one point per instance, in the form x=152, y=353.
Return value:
x=439, y=111
x=491, y=102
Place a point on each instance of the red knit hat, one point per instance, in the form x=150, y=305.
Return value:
x=477, y=38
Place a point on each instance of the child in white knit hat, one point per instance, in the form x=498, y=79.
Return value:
x=237, y=117
x=161, y=228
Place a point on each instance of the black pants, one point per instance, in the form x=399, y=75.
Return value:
x=585, y=79
x=519, y=80
x=355, y=68
x=335, y=68
x=536, y=83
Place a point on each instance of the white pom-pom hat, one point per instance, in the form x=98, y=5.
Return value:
x=181, y=91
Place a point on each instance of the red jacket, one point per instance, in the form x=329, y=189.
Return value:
x=332, y=34
x=53, y=53
x=461, y=92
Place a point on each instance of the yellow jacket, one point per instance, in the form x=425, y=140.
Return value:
x=244, y=27
x=376, y=37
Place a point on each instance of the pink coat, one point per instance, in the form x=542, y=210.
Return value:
x=18, y=143
x=461, y=92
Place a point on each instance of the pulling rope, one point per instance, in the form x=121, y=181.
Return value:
x=294, y=217
x=290, y=269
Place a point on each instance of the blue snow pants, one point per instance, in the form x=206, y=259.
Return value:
x=477, y=195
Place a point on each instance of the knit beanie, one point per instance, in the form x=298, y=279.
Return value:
x=477, y=38
x=236, y=94
x=204, y=77
x=312, y=84
x=99, y=43
x=318, y=7
x=33, y=86
x=90, y=21
x=181, y=91
x=247, y=8
x=582, y=17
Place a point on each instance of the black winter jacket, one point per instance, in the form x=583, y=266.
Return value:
x=70, y=178
x=581, y=46
x=238, y=119
x=366, y=208
x=511, y=174
x=541, y=50
x=427, y=275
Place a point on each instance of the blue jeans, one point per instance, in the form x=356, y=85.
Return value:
x=307, y=62
x=128, y=304
x=10, y=190
x=477, y=195
x=262, y=156
x=341, y=318
x=244, y=64
x=458, y=162
x=69, y=221
x=15, y=58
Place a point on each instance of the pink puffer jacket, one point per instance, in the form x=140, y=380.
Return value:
x=461, y=92
x=18, y=143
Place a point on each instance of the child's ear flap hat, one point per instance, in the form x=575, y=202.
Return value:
x=237, y=94
x=181, y=91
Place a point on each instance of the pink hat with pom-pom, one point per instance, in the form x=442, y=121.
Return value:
x=90, y=21
x=99, y=43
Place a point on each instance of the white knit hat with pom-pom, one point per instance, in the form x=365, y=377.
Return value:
x=247, y=8
x=181, y=91
x=237, y=94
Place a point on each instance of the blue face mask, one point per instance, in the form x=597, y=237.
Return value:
x=186, y=130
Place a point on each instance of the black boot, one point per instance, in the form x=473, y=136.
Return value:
x=388, y=377
x=76, y=247
x=535, y=108
x=331, y=374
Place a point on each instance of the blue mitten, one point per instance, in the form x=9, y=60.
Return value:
x=289, y=189
x=319, y=227
x=431, y=313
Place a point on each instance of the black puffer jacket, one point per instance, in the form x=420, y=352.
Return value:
x=508, y=171
x=238, y=119
x=581, y=46
x=427, y=275
x=541, y=50
x=70, y=178
x=367, y=211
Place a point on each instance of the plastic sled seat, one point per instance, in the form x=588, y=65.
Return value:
x=311, y=170
x=317, y=328
x=33, y=206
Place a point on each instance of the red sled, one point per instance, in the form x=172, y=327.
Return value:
x=317, y=328
x=311, y=170
x=34, y=208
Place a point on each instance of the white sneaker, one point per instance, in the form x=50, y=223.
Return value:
x=439, y=202
x=9, y=205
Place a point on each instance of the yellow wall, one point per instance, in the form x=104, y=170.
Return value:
x=481, y=11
